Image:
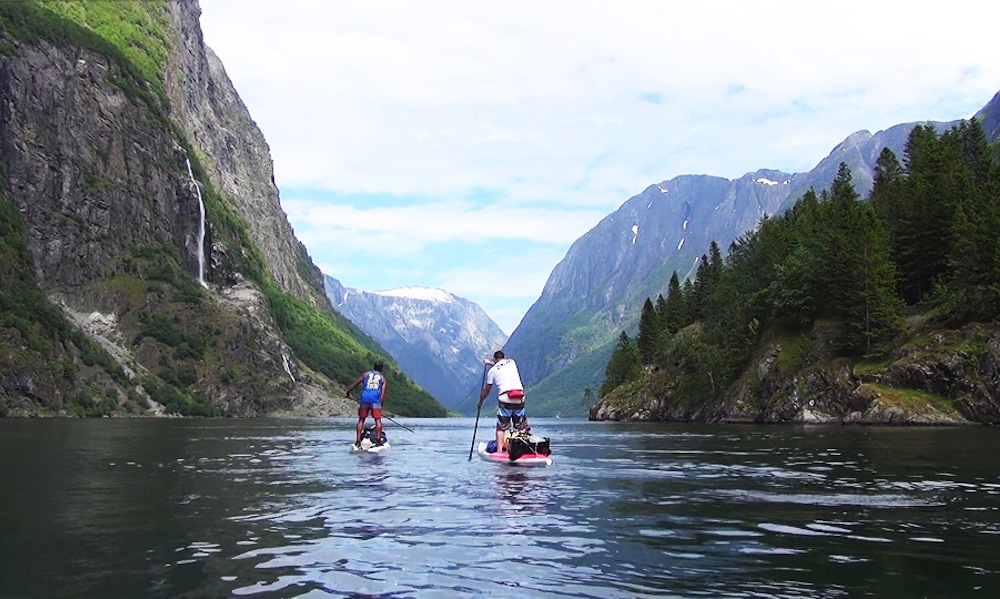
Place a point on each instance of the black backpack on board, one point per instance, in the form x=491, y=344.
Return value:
x=370, y=435
x=520, y=445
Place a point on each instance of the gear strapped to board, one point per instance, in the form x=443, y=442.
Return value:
x=520, y=444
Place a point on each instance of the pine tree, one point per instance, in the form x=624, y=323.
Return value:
x=663, y=335
x=699, y=291
x=623, y=366
x=924, y=250
x=875, y=314
x=974, y=257
x=856, y=271
x=661, y=307
x=794, y=291
x=706, y=278
x=687, y=295
x=837, y=215
x=887, y=185
x=675, y=316
x=648, y=338
x=893, y=206
x=888, y=195
x=733, y=325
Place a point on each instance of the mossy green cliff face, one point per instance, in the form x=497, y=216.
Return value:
x=119, y=128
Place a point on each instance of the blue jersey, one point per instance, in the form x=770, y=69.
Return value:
x=371, y=387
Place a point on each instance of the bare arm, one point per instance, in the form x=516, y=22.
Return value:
x=484, y=393
x=354, y=386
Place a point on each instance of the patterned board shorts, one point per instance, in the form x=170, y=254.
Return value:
x=509, y=413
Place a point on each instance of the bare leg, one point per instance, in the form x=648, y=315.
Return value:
x=378, y=431
x=360, y=428
x=500, y=436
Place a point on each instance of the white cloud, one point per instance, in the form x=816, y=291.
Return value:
x=426, y=224
x=567, y=105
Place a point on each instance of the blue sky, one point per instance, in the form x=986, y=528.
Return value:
x=466, y=145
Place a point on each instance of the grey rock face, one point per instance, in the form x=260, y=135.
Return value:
x=92, y=173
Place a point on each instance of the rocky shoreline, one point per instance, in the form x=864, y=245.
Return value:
x=939, y=378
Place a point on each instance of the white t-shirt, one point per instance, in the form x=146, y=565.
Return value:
x=505, y=377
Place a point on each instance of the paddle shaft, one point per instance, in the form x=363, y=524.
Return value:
x=474, y=432
x=398, y=424
x=479, y=408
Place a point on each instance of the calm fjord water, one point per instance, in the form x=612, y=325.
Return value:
x=280, y=508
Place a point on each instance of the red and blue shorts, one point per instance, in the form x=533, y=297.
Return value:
x=375, y=409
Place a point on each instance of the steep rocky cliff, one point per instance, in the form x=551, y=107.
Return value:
x=144, y=207
x=236, y=155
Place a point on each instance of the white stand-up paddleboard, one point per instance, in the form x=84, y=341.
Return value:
x=368, y=447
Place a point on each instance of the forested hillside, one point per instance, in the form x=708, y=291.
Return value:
x=837, y=280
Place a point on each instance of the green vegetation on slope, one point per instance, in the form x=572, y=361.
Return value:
x=567, y=394
x=585, y=337
x=29, y=21
x=139, y=28
x=324, y=341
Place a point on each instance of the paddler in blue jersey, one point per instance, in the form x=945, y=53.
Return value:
x=510, y=393
x=373, y=386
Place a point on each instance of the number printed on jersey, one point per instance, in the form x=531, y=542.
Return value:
x=374, y=381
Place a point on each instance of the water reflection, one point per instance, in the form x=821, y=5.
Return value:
x=282, y=508
x=522, y=493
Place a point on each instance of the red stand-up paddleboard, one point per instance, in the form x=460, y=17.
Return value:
x=502, y=457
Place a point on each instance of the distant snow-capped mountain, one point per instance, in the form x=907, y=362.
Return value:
x=437, y=338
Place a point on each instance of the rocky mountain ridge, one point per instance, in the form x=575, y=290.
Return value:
x=564, y=341
x=438, y=338
x=941, y=368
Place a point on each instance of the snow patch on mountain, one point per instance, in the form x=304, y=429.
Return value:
x=430, y=294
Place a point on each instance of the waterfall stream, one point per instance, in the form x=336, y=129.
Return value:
x=201, y=227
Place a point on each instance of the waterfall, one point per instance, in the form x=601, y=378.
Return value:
x=284, y=361
x=201, y=227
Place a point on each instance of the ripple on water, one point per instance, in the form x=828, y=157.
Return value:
x=829, y=500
